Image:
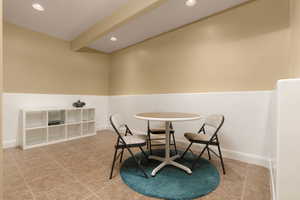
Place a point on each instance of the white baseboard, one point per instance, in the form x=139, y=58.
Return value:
x=272, y=185
x=102, y=127
x=240, y=156
x=9, y=144
x=246, y=157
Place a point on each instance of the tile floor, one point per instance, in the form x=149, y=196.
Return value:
x=79, y=169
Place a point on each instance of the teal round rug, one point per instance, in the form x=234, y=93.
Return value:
x=171, y=183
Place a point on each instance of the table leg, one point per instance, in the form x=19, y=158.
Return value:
x=167, y=140
x=168, y=160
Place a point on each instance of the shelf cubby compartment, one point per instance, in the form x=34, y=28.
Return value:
x=74, y=130
x=56, y=117
x=56, y=133
x=88, y=128
x=36, y=119
x=45, y=126
x=35, y=136
x=73, y=116
x=88, y=114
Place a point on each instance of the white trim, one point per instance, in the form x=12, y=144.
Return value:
x=197, y=93
x=272, y=185
x=240, y=156
x=9, y=144
x=246, y=157
x=102, y=127
x=90, y=95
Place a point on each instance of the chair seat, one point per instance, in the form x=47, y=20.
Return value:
x=135, y=139
x=159, y=131
x=197, y=137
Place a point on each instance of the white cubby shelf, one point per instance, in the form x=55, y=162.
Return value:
x=53, y=125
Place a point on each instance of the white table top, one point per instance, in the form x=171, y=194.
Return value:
x=167, y=116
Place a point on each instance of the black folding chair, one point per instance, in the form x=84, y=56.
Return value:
x=126, y=141
x=156, y=134
x=215, y=122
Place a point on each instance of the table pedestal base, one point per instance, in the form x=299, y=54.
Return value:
x=168, y=161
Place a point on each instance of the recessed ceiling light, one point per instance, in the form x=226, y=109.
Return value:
x=113, y=39
x=38, y=7
x=190, y=3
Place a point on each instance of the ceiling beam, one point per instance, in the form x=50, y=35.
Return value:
x=131, y=10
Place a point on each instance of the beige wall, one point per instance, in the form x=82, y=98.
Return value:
x=243, y=49
x=295, y=37
x=37, y=63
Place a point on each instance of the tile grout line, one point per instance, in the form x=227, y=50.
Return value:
x=71, y=174
x=47, y=191
x=26, y=183
x=245, y=182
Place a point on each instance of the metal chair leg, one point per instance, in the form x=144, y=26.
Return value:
x=221, y=158
x=113, y=164
x=174, y=142
x=195, y=162
x=121, y=157
x=186, y=150
x=137, y=162
x=208, y=152
x=150, y=147
x=143, y=152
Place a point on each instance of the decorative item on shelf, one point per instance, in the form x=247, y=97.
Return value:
x=78, y=104
x=55, y=122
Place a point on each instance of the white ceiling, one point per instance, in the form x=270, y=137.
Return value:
x=66, y=19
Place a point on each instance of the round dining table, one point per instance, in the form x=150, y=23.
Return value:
x=167, y=117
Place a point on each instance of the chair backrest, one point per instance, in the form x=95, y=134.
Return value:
x=117, y=122
x=215, y=121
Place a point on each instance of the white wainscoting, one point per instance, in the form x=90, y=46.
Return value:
x=272, y=128
x=14, y=102
x=287, y=164
x=245, y=134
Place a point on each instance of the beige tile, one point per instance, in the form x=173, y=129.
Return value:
x=258, y=176
x=33, y=173
x=26, y=164
x=98, y=174
x=70, y=191
x=51, y=181
x=61, y=151
x=13, y=183
x=257, y=193
x=225, y=192
x=79, y=170
x=10, y=169
x=73, y=161
x=93, y=197
x=8, y=157
x=235, y=170
x=41, y=196
x=117, y=191
x=21, y=155
x=20, y=195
